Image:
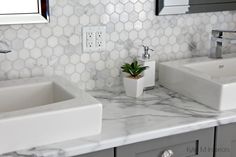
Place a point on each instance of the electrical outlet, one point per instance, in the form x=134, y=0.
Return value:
x=94, y=38
x=89, y=36
x=100, y=39
x=99, y=44
x=90, y=44
x=90, y=39
x=99, y=35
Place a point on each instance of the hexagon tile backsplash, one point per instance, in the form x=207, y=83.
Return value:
x=56, y=48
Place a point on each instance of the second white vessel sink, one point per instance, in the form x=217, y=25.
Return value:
x=208, y=81
x=40, y=111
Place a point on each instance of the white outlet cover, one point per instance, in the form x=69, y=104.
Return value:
x=95, y=43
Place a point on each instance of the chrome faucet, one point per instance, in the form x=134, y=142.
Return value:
x=4, y=47
x=217, y=39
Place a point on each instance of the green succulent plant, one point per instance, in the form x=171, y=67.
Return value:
x=134, y=69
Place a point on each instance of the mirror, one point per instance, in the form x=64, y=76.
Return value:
x=171, y=7
x=24, y=11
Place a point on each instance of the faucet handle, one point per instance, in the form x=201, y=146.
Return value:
x=219, y=33
x=151, y=49
x=147, y=48
x=223, y=31
x=5, y=51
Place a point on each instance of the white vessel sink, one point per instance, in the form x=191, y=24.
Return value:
x=40, y=111
x=208, y=81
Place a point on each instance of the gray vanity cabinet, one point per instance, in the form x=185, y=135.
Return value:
x=104, y=153
x=226, y=141
x=194, y=144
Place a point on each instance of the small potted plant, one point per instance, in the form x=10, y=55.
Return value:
x=133, y=82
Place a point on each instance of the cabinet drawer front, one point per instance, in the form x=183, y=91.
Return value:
x=194, y=144
x=226, y=140
x=104, y=153
x=182, y=150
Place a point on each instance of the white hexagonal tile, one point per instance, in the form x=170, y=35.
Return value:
x=29, y=43
x=85, y=76
x=75, y=59
x=74, y=39
x=110, y=8
x=57, y=31
x=74, y=20
x=46, y=32
x=95, y=56
x=36, y=53
x=41, y=42
x=84, y=20
x=124, y=17
x=70, y=69
x=42, y=62
x=24, y=54
x=34, y=33
x=85, y=58
x=114, y=55
x=119, y=8
x=68, y=10
x=22, y=33
x=75, y=77
x=129, y=7
x=6, y=66
x=17, y=44
x=10, y=34
x=64, y=60
x=52, y=41
x=62, y=21
x=80, y=67
x=100, y=65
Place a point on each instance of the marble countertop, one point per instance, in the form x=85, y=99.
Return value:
x=158, y=113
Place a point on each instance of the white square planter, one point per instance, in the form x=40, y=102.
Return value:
x=133, y=87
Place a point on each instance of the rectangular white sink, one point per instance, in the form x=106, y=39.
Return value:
x=209, y=81
x=41, y=111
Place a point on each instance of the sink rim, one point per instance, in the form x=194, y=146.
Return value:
x=183, y=65
x=71, y=104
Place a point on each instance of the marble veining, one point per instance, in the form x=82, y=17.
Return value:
x=34, y=152
x=158, y=113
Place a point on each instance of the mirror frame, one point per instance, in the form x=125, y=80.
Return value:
x=173, y=7
x=42, y=16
